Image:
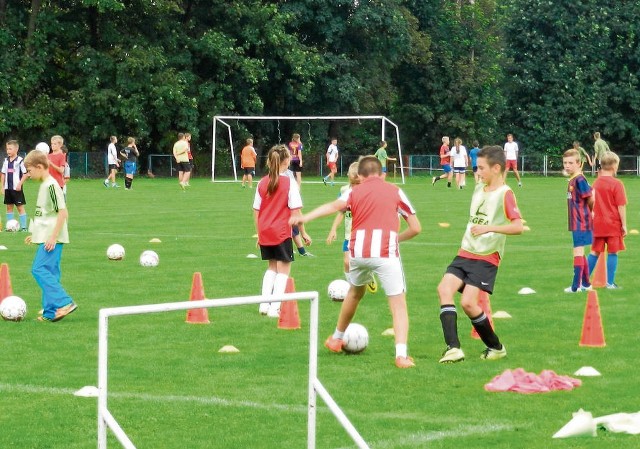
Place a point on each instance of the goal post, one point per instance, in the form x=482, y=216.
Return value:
x=222, y=121
x=106, y=421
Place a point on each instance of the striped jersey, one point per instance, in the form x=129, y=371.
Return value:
x=13, y=172
x=375, y=205
x=578, y=194
x=274, y=210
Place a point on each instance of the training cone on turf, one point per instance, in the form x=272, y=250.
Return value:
x=289, y=317
x=599, y=275
x=592, y=332
x=485, y=305
x=5, y=282
x=197, y=316
x=581, y=425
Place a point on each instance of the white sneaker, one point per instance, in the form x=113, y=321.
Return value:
x=274, y=310
x=493, y=354
x=264, y=308
x=452, y=355
x=570, y=290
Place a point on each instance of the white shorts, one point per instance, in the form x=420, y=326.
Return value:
x=388, y=270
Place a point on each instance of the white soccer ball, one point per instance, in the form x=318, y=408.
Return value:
x=356, y=338
x=338, y=289
x=115, y=252
x=12, y=226
x=149, y=259
x=43, y=147
x=13, y=308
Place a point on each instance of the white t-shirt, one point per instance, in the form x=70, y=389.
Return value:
x=332, y=153
x=511, y=151
x=112, y=154
x=459, y=156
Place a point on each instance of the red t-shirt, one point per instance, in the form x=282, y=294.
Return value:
x=274, y=210
x=444, y=155
x=375, y=205
x=609, y=194
x=59, y=159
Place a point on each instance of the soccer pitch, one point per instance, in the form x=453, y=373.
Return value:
x=170, y=388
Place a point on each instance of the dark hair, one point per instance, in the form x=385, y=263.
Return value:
x=277, y=154
x=494, y=154
x=369, y=165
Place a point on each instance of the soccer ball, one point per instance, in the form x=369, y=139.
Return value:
x=356, y=338
x=12, y=226
x=13, y=308
x=115, y=252
x=43, y=147
x=338, y=290
x=149, y=259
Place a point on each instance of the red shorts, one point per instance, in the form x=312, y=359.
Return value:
x=332, y=166
x=614, y=244
x=511, y=164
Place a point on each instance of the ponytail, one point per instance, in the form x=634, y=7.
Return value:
x=277, y=154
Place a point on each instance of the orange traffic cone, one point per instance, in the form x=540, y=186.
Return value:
x=592, y=332
x=599, y=278
x=485, y=305
x=289, y=317
x=5, y=282
x=197, y=316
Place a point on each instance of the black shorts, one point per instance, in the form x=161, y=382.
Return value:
x=282, y=252
x=14, y=197
x=184, y=166
x=250, y=171
x=477, y=273
x=295, y=167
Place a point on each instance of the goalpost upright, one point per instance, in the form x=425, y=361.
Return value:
x=221, y=119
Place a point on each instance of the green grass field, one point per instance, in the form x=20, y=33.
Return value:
x=170, y=388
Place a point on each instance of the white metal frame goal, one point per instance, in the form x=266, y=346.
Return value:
x=223, y=121
x=107, y=421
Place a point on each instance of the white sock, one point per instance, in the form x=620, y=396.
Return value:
x=280, y=284
x=267, y=282
x=401, y=350
x=338, y=334
x=346, y=275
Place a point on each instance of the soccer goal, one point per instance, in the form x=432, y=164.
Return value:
x=315, y=388
x=223, y=122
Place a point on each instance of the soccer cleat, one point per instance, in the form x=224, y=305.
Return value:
x=264, y=308
x=334, y=344
x=115, y=186
x=613, y=286
x=64, y=311
x=434, y=180
x=274, y=310
x=452, y=355
x=405, y=362
x=586, y=289
x=307, y=254
x=45, y=319
x=324, y=181
x=372, y=286
x=182, y=186
x=106, y=183
x=519, y=184
x=571, y=290
x=494, y=354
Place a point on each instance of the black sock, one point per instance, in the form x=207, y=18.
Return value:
x=485, y=331
x=449, y=320
x=127, y=182
x=301, y=250
x=449, y=184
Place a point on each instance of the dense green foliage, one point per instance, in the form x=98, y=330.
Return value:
x=549, y=71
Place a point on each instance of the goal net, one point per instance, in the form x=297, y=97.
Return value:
x=227, y=145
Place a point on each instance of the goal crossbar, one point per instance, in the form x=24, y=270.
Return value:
x=315, y=388
x=222, y=120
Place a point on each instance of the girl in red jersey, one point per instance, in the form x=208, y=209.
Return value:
x=277, y=199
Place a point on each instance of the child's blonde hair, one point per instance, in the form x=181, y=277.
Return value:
x=352, y=173
x=57, y=138
x=35, y=158
x=277, y=155
x=572, y=153
x=609, y=160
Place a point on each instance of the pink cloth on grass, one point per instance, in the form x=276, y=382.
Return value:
x=520, y=381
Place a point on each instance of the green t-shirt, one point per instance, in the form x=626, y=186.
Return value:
x=600, y=147
x=381, y=154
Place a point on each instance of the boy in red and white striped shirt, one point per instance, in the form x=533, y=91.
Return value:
x=374, y=248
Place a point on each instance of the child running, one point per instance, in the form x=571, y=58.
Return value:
x=609, y=217
x=374, y=247
x=493, y=215
x=276, y=200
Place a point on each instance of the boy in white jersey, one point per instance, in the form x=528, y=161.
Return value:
x=511, y=154
x=49, y=231
x=374, y=205
x=493, y=215
x=332, y=161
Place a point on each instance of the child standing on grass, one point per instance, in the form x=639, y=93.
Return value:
x=580, y=205
x=57, y=160
x=374, y=247
x=130, y=153
x=248, y=158
x=609, y=217
x=473, y=155
x=12, y=176
x=332, y=161
x=49, y=231
x=113, y=162
x=277, y=199
x=493, y=215
x=353, y=181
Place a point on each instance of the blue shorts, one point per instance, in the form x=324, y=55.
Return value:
x=582, y=238
x=446, y=168
x=130, y=168
x=345, y=246
x=475, y=168
x=384, y=169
